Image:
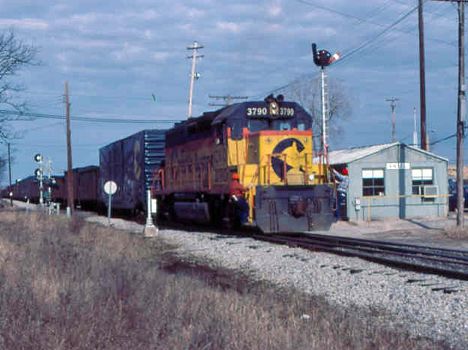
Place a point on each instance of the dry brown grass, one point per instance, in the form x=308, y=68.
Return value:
x=456, y=232
x=70, y=285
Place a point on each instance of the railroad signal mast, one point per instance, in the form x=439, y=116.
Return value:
x=323, y=58
x=39, y=172
x=194, y=75
x=44, y=174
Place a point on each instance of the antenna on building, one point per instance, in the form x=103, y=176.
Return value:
x=193, y=74
x=393, y=104
x=227, y=100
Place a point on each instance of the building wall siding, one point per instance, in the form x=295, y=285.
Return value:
x=398, y=200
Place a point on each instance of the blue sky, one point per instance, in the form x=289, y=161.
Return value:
x=116, y=54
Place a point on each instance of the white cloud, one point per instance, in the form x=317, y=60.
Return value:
x=229, y=27
x=25, y=23
x=161, y=56
x=148, y=34
x=127, y=52
x=274, y=9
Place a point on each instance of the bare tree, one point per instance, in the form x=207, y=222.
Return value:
x=15, y=54
x=307, y=92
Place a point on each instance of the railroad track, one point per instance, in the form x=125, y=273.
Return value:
x=446, y=262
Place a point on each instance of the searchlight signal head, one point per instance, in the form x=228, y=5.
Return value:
x=323, y=58
x=38, y=173
x=38, y=157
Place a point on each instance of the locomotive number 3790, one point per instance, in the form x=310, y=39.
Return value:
x=263, y=111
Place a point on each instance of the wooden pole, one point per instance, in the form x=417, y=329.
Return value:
x=422, y=78
x=70, y=199
x=460, y=112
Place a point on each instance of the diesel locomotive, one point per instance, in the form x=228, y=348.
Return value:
x=249, y=162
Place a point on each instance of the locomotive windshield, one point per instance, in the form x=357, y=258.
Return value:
x=268, y=124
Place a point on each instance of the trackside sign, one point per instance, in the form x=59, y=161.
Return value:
x=398, y=166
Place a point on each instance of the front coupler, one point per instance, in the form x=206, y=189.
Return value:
x=294, y=208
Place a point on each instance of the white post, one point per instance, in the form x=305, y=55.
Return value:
x=324, y=115
x=150, y=229
x=109, y=209
x=41, y=186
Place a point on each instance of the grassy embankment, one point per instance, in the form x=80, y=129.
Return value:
x=70, y=285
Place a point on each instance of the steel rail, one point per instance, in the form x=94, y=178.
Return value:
x=419, y=258
x=430, y=249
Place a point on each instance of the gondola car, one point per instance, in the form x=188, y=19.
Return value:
x=85, y=187
x=28, y=189
x=252, y=158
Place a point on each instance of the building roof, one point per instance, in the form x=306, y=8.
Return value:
x=345, y=156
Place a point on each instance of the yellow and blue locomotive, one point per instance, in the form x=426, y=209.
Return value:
x=250, y=161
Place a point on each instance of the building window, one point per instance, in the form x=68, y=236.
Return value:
x=373, y=182
x=420, y=178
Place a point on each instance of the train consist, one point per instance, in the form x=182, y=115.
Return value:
x=247, y=163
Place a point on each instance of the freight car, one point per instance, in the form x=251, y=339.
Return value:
x=130, y=163
x=23, y=190
x=250, y=160
x=28, y=189
x=85, y=187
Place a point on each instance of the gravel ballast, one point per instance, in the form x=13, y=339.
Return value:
x=418, y=303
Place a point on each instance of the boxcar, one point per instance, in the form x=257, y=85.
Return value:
x=130, y=163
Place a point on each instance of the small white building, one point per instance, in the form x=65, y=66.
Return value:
x=393, y=180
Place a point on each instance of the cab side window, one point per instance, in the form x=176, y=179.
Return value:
x=220, y=134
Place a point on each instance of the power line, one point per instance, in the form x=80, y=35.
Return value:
x=45, y=93
x=33, y=115
x=383, y=32
x=357, y=49
x=445, y=138
x=365, y=20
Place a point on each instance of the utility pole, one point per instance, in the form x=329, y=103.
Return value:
x=460, y=109
x=193, y=74
x=393, y=101
x=70, y=199
x=461, y=113
x=9, y=175
x=415, y=129
x=422, y=77
x=227, y=99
